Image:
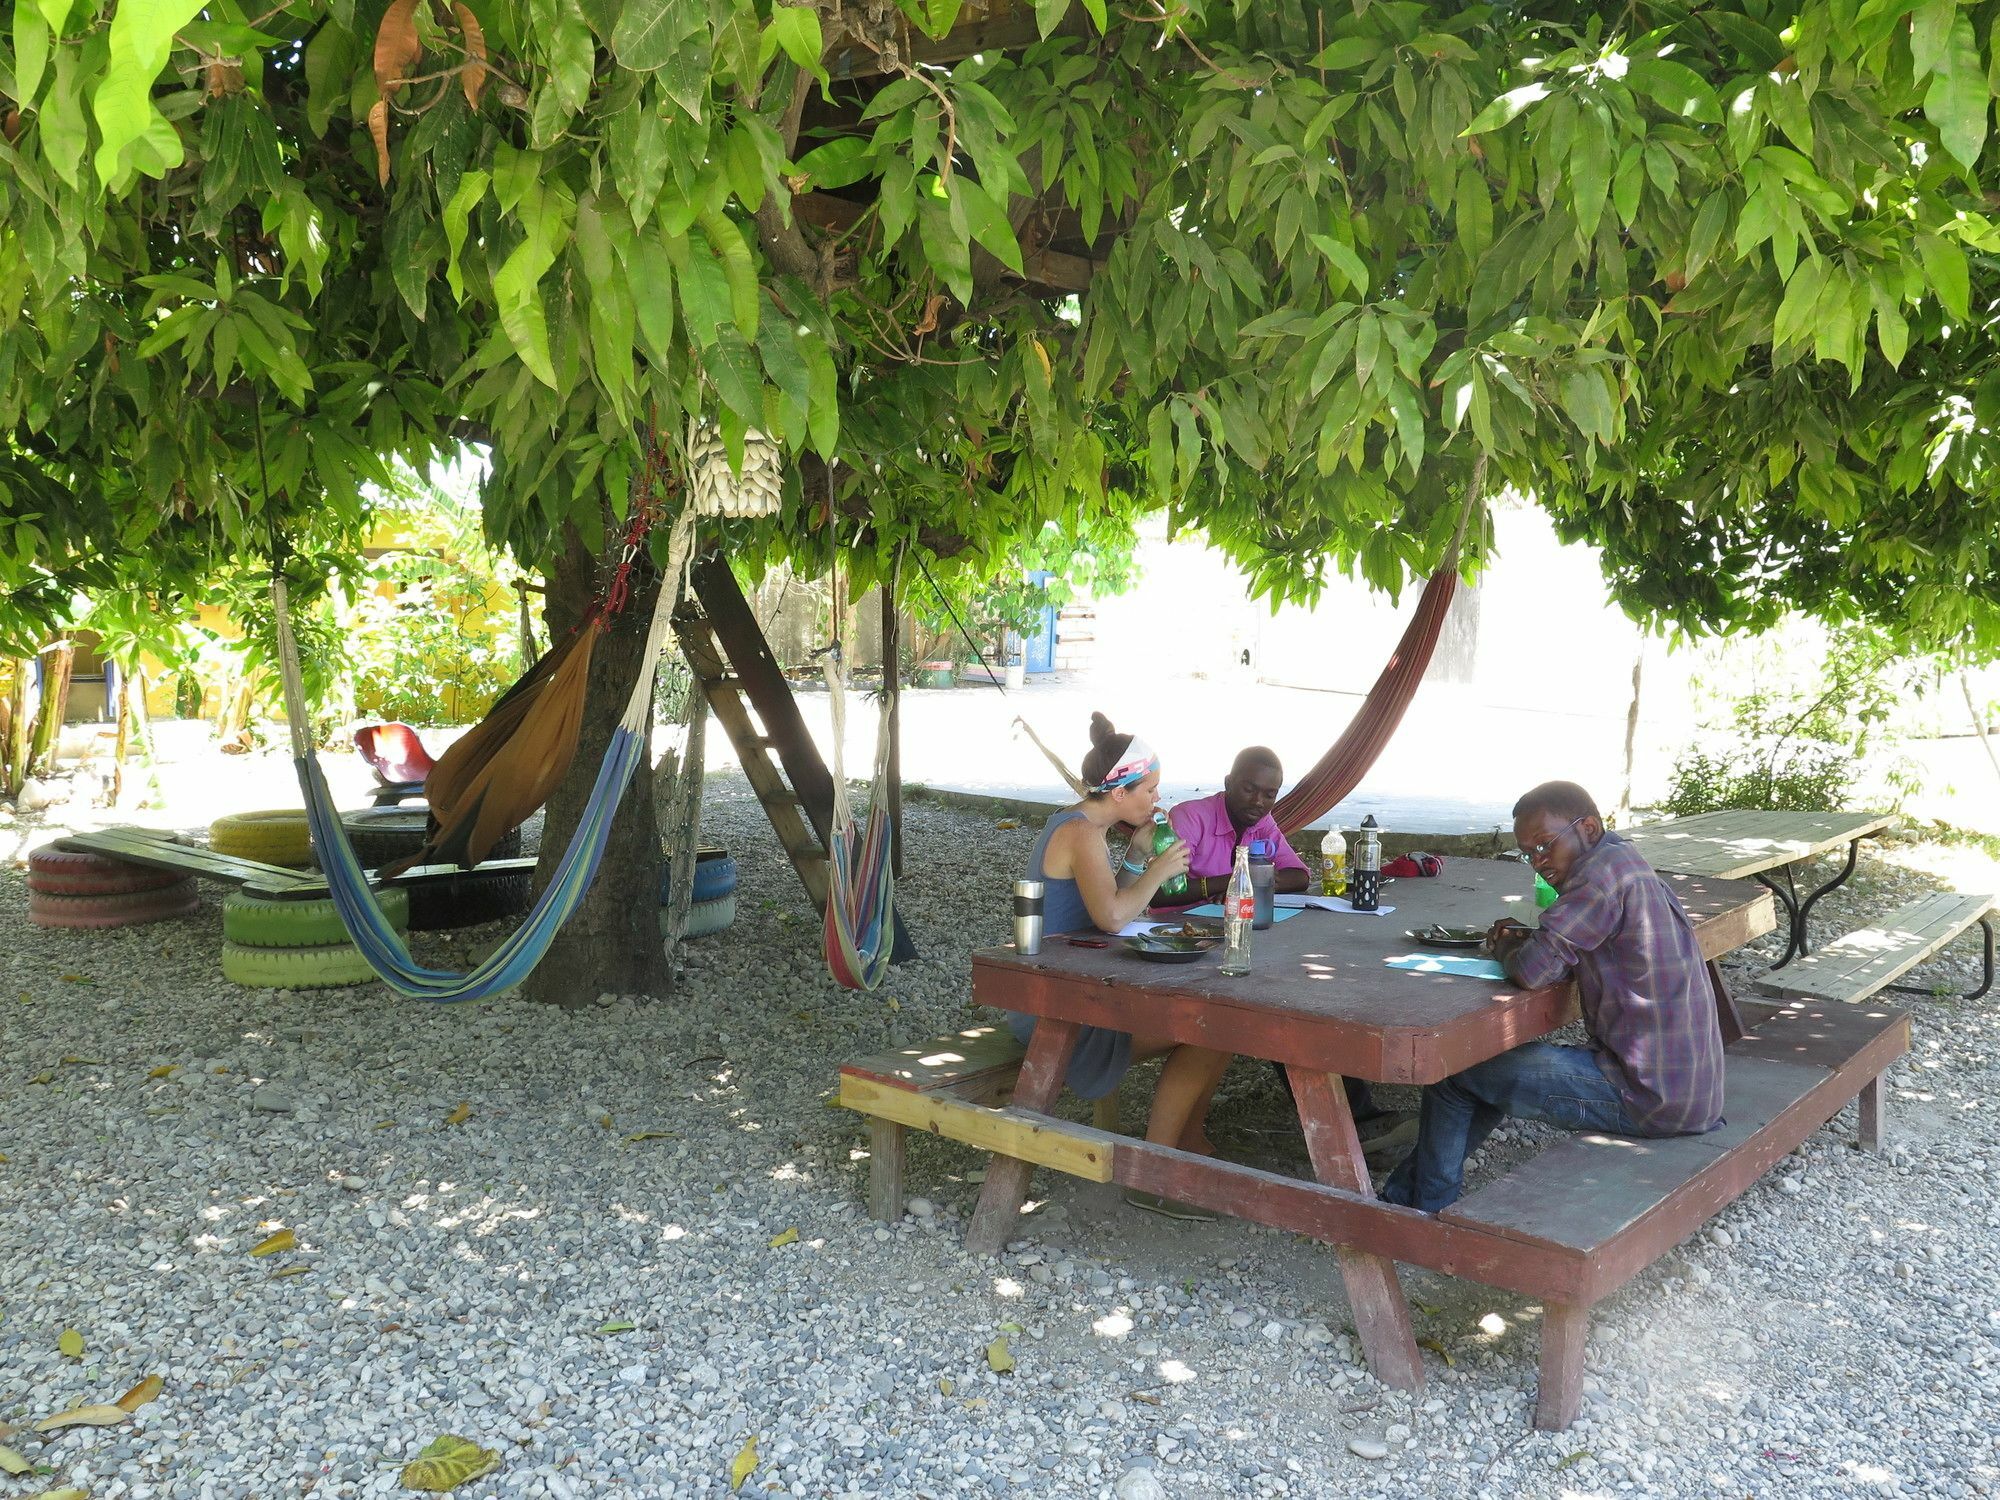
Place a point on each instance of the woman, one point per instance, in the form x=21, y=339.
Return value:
x=1073, y=860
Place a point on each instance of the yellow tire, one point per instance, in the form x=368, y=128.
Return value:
x=278, y=837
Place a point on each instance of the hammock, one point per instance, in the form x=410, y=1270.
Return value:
x=347, y=881
x=1340, y=770
x=861, y=880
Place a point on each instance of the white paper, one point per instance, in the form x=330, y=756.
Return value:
x=1328, y=903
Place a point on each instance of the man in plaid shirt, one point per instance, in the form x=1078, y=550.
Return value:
x=1653, y=1062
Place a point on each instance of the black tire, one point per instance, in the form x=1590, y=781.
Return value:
x=253, y=922
x=295, y=968
x=383, y=834
x=469, y=899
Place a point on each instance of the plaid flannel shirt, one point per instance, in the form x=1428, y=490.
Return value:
x=1642, y=984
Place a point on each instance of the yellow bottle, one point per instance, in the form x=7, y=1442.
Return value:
x=1333, y=863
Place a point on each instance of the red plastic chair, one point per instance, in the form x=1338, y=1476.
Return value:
x=399, y=759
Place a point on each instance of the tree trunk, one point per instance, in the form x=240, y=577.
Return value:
x=20, y=722
x=611, y=944
x=56, y=664
x=1631, y=736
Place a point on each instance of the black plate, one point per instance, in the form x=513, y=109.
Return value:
x=1159, y=949
x=1436, y=936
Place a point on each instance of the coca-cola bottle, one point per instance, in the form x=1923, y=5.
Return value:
x=1239, y=913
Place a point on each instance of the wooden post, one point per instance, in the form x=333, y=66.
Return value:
x=892, y=684
x=885, y=1169
x=1040, y=1081
x=1870, y=1104
x=1560, y=1396
x=57, y=659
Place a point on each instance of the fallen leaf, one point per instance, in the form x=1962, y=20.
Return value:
x=71, y=1343
x=284, y=1239
x=1008, y=825
x=78, y=979
x=385, y=1124
x=1427, y=1309
x=1574, y=1458
x=605, y=1121
x=1439, y=1350
x=67, y=1492
x=894, y=1003
x=651, y=1135
x=1150, y=1400
x=447, y=1463
x=43, y=1078
x=82, y=1416
x=283, y=1271
x=998, y=1359
x=743, y=1464
x=616, y=1327
x=945, y=1387
x=3, y=1158
x=163, y=1070
x=83, y=1062
x=460, y=1115
x=789, y=1237
x=12, y=1462
x=146, y=1390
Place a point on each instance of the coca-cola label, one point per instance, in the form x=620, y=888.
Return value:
x=1246, y=907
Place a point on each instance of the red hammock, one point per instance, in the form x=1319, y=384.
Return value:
x=1340, y=770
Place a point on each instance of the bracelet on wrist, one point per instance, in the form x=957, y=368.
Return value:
x=1135, y=869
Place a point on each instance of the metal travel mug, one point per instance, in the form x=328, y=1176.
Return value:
x=1027, y=916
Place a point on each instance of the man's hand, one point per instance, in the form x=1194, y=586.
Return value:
x=1505, y=936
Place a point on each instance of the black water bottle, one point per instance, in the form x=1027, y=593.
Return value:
x=1364, y=880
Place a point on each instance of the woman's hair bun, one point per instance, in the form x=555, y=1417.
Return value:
x=1101, y=732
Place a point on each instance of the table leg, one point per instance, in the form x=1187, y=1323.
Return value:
x=1565, y=1326
x=1790, y=901
x=1805, y=911
x=1040, y=1081
x=1381, y=1312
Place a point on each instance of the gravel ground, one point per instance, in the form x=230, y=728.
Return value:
x=593, y=1268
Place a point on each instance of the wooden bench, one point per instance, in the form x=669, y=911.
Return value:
x=161, y=851
x=975, y=1066
x=1595, y=1210
x=1863, y=962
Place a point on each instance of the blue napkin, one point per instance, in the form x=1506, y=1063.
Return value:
x=1214, y=909
x=1448, y=963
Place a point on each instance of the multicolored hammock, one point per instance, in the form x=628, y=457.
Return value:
x=861, y=880
x=347, y=882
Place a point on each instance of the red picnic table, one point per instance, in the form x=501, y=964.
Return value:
x=1321, y=1001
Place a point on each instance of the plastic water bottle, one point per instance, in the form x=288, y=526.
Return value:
x=1164, y=838
x=1239, y=914
x=1263, y=882
x=1365, y=882
x=1333, y=863
x=1545, y=894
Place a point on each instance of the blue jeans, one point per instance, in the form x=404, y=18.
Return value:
x=1536, y=1081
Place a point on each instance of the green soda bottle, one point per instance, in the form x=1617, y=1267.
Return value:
x=1164, y=838
x=1545, y=894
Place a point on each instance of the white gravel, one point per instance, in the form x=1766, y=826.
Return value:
x=632, y=1163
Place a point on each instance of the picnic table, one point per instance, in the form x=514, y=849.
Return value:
x=1320, y=1001
x=1731, y=845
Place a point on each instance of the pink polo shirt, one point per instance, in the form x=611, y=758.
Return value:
x=1212, y=838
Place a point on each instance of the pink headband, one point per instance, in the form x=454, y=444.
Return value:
x=1139, y=763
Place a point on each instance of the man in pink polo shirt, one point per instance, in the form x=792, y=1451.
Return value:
x=1238, y=814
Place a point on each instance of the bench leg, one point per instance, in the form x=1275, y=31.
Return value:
x=1381, y=1312
x=885, y=1170
x=1104, y=1114
x=1869, y=1104
x=1559, y=1396
x=1041, y=1080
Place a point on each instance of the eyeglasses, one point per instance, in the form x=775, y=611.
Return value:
x=1539, y=851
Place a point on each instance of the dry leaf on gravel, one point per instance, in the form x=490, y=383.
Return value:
x=284, y=1239
x=146, y=1390
x=71, y=1343
x=789, y=1237
x=447, y=1463
x=82, y=1416
x=999, y=1359
x=743, y=1464
x=460, y=1115
x=12, y=1462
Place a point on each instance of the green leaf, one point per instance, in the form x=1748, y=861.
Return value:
x=1590, y=170
x=649, y=33
x=1506, y=107
x=838, y=163
x=471, y=188
x=1944, y=265
x=704, y=292
x=1677, y=89
x=1794, y=319
x=1931, y=25
x=738, y=377
x=65, y=132
x=945, y=249
x=142, y=34
x=1957, y=101
x=989, y=226
x=56, y=13
x=1589, y=405
x=738, y=268
x=1049, y=14
x=1347, y=52
x=1341, y=258
x=545, y=213
x=31, y=51
x=1892, y=333
x=650, y=275
x=795, y=30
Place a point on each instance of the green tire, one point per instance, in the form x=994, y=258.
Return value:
x=295, y=968
x=253, y=922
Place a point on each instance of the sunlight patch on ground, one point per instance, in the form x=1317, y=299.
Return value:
x=1113, y=1325
x=1175, y=1372
x=1007, y=1286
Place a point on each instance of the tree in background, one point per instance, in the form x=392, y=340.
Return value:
x=1711, y=284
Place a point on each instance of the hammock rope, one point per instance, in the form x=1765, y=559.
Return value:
x=1349, y=758
x=347, y=882
x=860, y=921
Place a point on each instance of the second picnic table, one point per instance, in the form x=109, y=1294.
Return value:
x=1733, y=844
x=1321, y=1001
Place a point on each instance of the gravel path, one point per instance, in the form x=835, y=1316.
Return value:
x=595, y=1271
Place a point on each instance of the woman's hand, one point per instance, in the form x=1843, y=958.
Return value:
x=1169, y=862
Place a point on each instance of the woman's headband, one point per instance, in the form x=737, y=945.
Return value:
x=1139, y=763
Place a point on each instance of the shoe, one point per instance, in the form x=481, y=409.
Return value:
x=1172, y=1208
x=1387, y=1137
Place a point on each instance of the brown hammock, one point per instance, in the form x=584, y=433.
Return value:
x=1340, y=770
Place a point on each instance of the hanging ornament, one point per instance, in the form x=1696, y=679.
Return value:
x=718, y=491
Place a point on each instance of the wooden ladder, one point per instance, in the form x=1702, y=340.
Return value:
x=732, y=662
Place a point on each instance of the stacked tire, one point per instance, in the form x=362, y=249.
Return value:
x=380, y=835
x=69, y=887
x=297, y=945
x=275, y=837
x=713, y=906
